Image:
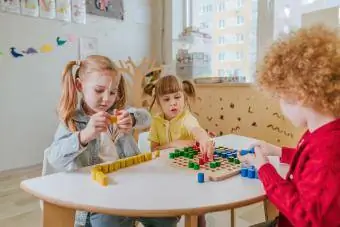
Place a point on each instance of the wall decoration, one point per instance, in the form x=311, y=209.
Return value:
x=277, y=129
x=47, y=9
x=221, y=117
x=254, y=124
x=88, y=46
x=79, y=11
x=15, y=53
x=30, y=50
x=72, y=38
x=250, y=110
x=278, y=115
x=10, y=6
x=60, y=42
x=209, y=118
x=232, y=105
x=63, y=9
x=46, y=48
x=239, y=119
x=235, y=129
x=106, y=8
x=30, y=8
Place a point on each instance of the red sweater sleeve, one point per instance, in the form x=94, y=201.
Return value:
x=287, y=154
x=313, y=200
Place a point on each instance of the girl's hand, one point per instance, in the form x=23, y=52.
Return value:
x=124, y=121
x=98, y=123
x=207, y=146
x=267, y=149
x=182, y=143
x=258, y=159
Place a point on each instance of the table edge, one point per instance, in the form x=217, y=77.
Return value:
x=146, y=213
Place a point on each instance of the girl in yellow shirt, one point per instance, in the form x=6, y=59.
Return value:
x=175, y=126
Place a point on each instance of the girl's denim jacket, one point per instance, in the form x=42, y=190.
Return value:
x=66, y=153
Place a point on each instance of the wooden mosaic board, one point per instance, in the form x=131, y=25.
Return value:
x=229, y=165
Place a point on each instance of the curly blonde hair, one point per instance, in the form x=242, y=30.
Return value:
x=305, y=67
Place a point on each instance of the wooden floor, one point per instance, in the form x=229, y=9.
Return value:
x=19, y=209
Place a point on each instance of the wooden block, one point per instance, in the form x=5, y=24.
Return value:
x=105, y=168
x=140, y=158
x=148, y=156
x=112, y=167
x=117, y=165
x=102, y=179
x=129, y=161
x=135, y=160
x=157, y=153
x=94, y=172
x=113, y=119
x=123, y=163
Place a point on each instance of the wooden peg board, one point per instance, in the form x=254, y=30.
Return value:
x=227, y=168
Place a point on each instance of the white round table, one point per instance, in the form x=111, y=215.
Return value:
x=150, y=189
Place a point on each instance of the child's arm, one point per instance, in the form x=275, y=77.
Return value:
x=287, y=155
x=65, y=148
x=314, y=198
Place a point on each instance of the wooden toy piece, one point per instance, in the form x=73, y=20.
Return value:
x=112, y=167
x=148, y=156
x=200, y=177
x=102, y=179
x=117, y=165
x=218, y=169
x=113, y=119
x=129, y=161
x=141, y=158
x=94, y=172
x=105, y=168
x=157, y=153
x=136, y=160
x=122, y=163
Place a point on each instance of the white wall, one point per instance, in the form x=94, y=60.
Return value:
x=30, y=86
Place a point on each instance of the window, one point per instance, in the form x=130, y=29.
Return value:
x=221, y=56
x=221, y=40
x=221, y=24
x=240, y=20
x=239, y=4
x=220, y=6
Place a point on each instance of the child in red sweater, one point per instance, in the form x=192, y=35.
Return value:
x=303, y=71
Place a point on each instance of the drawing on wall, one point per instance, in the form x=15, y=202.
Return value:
x=209, y=118
x=60, y=42
x=79, y=11
x=30, y=8
x=281, y=131
x=254, y=124
x=46, y=48
x=29, y=51
x=232, y=105
x=63, y=8
x=250, y=110
x=88, y=46
x=15, y=53
x=106, y=8
x=10, y=6
x=235, y=129
x=47, y=9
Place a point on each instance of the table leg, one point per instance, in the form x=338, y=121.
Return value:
x=232, y=217
x=191, y=221
x=56, y=216
x=270, y=211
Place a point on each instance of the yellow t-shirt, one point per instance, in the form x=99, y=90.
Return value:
x=179, y=128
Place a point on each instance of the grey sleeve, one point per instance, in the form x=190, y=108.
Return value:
x=64, y=149
x=142, y=116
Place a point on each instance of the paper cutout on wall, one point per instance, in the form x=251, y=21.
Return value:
x=60, y=42
x=63, y=8
x=47, y=9
x=79, y=11
x=30, y=50
x=88, y=46
x=72, y=38
x=30, y=8
x=15, y=53
x=46, y=48
x=10, y=6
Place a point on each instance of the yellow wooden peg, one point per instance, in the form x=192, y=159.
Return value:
x=102, y=179
x=94, y=172
x=157, y=153
x=135, y=160
x=117, y=165
x=122, y=163
x=105, y=168
x=148, y=156
x=112, y=167
x=113, y=119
